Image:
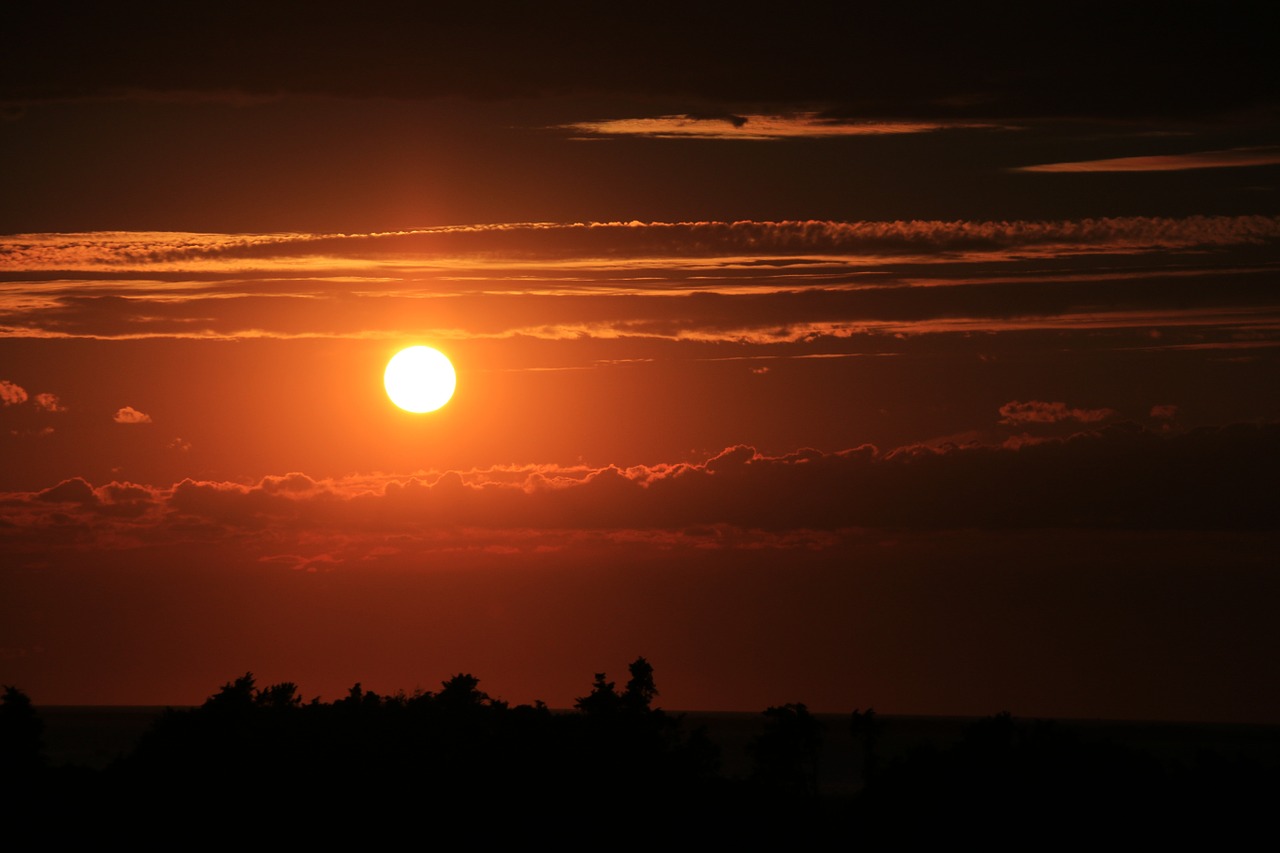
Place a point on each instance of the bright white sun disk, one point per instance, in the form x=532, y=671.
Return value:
x=419, y=379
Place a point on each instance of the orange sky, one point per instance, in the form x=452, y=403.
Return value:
x=936, y=398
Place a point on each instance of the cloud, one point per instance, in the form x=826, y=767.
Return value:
x=130, y=415
x=749, y=281
x=609, y=244
x=11, y=394
x=1228, y=158
x=1118, y=477
x=76, y=490
x=1037, y=412
x=1166, y=412
x=757, y=127
x=50, y=403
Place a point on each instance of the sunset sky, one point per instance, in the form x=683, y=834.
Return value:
x=875, y=355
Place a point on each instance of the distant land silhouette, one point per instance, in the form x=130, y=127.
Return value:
x=256, y=763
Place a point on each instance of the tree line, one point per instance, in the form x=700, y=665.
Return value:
x=457, y=754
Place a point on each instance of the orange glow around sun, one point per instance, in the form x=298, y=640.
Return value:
x=420, y=379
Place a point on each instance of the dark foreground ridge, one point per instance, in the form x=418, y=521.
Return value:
x=457, y=763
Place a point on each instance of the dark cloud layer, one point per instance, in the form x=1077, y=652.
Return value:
x=1120, y=477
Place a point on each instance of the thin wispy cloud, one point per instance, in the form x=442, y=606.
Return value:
x=602, y=244
x=755, y=283
x=1223, y=159
x=757, y=126
x=1039, y=412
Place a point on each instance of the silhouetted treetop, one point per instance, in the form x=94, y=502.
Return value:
x=21, y=731
x=865, y=725
x=278, y=696
x=461, y=693
x=786, y=755
x=233, y=696
x=240, y=696
x=602, y=700
x=640, y=689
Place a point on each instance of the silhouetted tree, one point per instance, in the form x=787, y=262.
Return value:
x=461, y=693
x=358, y=698
x=278, y=696
x=21, y=730
x=640, y=688
x=786, y=754
x=602, y=700
x=866, y=726
x=622, y=749
x=233, y=696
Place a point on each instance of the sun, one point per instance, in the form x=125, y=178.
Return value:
x=419, y=379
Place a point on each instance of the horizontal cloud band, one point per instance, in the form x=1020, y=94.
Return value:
x=557, y=241
x=1119, y=477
